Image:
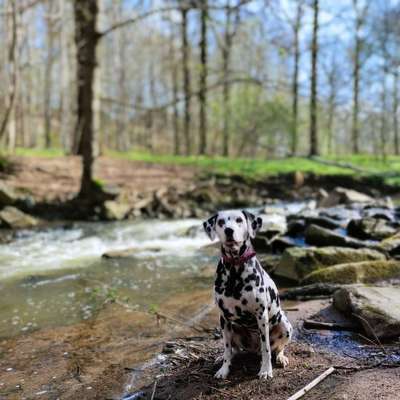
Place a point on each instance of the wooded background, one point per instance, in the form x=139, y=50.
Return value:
x=238, y=78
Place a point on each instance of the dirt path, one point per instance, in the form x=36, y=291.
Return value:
x=49, y=179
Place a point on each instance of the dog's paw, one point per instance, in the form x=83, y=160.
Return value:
x=264, y=374
x=222, y=373
x=282, y=360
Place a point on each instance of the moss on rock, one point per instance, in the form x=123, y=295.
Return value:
x=359, y=272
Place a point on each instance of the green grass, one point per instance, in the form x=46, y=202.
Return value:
x=251, y=167
x=37, y=152
x=258, y=167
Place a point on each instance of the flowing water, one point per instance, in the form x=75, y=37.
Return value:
x=57, y=276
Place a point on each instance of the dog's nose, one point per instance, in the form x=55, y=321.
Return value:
x=228, y=232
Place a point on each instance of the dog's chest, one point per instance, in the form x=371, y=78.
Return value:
x=244, y=292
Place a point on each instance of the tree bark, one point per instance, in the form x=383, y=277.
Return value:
x=314, y=81
x=86, y=37
x=203, y=80
x=186, y=79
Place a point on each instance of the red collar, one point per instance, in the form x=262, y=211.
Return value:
x=249, y=253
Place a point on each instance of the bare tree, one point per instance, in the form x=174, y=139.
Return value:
x=86, y=38
x=203, y=80
x=186, y=77
x=314, y=82
x=359, y=22
x=296, y=26
x=11, y=59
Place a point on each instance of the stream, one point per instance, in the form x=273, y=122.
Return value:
x=56, y=276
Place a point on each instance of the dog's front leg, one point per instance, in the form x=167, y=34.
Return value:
x=266, y=365
x=226, y=328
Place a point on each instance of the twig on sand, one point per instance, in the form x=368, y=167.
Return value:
x=224, y=392
x=330, y=326
x=313, y=383
x=154, y=390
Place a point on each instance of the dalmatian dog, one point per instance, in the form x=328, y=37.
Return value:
x=250, y=314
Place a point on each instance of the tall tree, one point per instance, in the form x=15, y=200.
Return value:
x=50, y=36
x=232, y=16
x=359, y=22
x=296, y=26
x=184, y=9
x=203, y=79
x=314, y=82
x=12, y=36
x=86, y=37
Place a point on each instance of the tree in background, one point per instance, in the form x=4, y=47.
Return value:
x=314, y=82
x=86, y=38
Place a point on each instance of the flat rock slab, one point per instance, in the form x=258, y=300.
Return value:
x=376, y=308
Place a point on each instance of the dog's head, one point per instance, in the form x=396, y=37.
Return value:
x=232, y=227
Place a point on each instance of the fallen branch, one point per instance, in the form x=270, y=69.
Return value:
x=314, y=290
x=313, y=383
x=330, y=326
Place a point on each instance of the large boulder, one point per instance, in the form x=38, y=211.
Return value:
x=298, y=262
x=341, y=195
x=11, y=217
x=114, y=210
x=358, y=272
x=318, y=236
x=370, y=228
x=376, y=308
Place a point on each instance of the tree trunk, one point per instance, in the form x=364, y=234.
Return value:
x=67, y=93
x=356, y=89
x=203, y=80
x=12, y=32
x=174, y=82
x=295, y=81
x=395, y=111
x=314, y=81
x=226, y=54
x=86, y=38
x=186, y=79
x=48, y=72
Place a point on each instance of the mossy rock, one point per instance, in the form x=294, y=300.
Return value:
x=359, y=272
x=391, y=244
x=298, y=262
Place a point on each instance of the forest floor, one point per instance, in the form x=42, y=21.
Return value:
x=49, y=176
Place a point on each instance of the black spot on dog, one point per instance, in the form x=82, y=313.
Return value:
x=238, y=310
x=259, y=269
x=244, y=302
x=222, y=322
x=272, y=294
x=226, y=312
x=280, y=336
x=248, y=288
x=257, y=299
x=263, y=337
x=261, y=290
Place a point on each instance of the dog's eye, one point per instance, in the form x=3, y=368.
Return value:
x=221, y=222
x=239, y=220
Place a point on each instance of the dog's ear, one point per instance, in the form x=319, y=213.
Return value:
x=254, y=223
x=209, y=226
